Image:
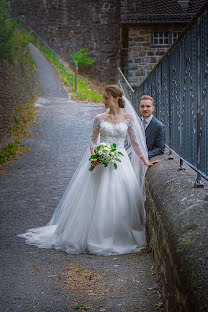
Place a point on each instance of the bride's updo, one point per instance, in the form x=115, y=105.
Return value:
x=116, y=91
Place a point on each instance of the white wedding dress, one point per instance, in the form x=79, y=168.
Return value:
x=102, y=212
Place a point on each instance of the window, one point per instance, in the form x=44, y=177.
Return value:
x=175, y=35
x=164, y=38
x=160, y=38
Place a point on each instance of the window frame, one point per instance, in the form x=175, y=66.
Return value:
x=159, y=37
x=178, y=34
x=170, y=37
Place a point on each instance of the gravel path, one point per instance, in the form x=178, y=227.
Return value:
x=47, y=280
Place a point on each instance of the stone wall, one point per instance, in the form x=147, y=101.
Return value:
x=177, y=232
x=71, y=25
x=142, y=55
x=18, y=86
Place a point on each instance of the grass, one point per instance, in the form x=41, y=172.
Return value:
x=10, y=151
x=85, y=92
x=25, y=116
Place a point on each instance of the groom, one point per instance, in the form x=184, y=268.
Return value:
x=154, y=129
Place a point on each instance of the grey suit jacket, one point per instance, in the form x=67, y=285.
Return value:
x=155, y=137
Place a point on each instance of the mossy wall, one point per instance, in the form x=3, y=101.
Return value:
x=18, y=86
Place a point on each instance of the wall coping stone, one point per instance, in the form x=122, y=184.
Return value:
x=177, y=232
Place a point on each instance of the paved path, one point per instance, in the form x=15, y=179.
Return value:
x=47, y=280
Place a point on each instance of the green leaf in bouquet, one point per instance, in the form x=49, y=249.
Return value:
x=91, y=168
x=93, y=157
x=93, y=160
x=118, y=159
x=120, y=154
x=115, y=166
x=113, y=145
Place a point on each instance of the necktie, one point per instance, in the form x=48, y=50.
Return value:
x=144, y=124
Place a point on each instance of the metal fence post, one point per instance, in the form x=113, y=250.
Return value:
x=69, y=83
x=76, y=74
x=181, y=167
x=170, y=157
x=63, y=71
x=198, y=182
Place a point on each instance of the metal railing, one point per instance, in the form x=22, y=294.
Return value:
x=179, y=86
x=59, y=62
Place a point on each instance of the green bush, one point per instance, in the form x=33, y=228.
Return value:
x=81, y=58
x=10, y=150
x=7, y=32
x=13, y=39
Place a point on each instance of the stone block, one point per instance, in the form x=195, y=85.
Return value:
x=136, y=49
x=132, y=79
x=144, y=32
x=160, y=52
x=142, y=54
x=140, y=39
x=149, y=67
x=138, y=60
x=152, y=60
x=133, y=32
x=132, y=66
x=140, y=73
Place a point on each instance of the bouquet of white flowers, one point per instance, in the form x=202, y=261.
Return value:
x=105, y=154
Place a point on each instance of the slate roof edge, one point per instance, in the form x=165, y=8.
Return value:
x=149, y=21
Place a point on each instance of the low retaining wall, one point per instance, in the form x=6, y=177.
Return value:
x=177, y=232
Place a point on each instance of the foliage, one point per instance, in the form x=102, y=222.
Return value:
x=81, y=58
x=7, y=32
x=85, y=92
x=104, y=154
x=12, y=40
x=25, y=116
x=79, y=307
x=10, y=150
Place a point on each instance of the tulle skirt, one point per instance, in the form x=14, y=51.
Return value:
x=101, y=213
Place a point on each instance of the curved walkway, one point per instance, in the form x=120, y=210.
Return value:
x=47, y=280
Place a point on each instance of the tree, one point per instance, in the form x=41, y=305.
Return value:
x=81, y=58
x=7, y=32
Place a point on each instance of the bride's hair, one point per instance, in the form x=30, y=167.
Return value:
x=116, y=91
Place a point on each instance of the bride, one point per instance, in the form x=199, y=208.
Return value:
x=102, y=212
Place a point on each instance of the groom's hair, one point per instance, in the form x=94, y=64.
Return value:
x=147, y=97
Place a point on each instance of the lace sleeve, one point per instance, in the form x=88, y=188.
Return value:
x=95, y=132
x=133, y=140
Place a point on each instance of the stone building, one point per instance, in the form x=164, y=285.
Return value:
x=133, y=34
x=148, y=29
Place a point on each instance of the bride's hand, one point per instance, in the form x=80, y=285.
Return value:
x=151, y=163
x=94, y=164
